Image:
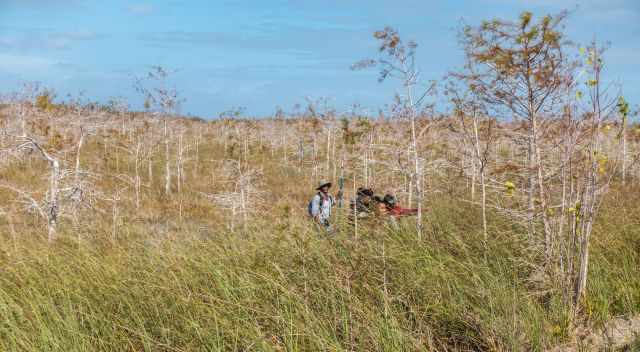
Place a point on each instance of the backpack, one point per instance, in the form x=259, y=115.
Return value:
x=322, y=200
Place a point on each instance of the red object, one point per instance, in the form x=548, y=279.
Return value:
x=399, y=211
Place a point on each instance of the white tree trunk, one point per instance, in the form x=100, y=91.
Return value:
x=483, y=187
x=53, y=194
x=137, y=174
x=167, y=178
x=624, y=151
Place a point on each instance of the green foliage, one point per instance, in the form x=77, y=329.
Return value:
x=508, y=60
x=354, y=129
x=623, y=108
x=44, y=101
x=510, y=187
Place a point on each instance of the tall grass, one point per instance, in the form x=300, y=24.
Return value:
x=286, y=287
x=173, y=276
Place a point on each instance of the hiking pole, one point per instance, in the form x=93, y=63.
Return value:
x=341, y=184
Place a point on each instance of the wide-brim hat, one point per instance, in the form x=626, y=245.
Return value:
x=322, y=184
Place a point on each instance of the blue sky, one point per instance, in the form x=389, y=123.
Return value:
x=263, y=54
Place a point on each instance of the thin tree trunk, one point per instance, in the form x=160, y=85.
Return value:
x=13, y=233
x=53, y=194
x=328, y=156
x=416, y=160
x=150, y=171
x=590, y=192
x=196, y=166
x=341, y=182
x=300, y=155
x=80, y=143
x=243, y=204
x=284, y=145
x=365, y=166
x=624, y=151
x=355, y=208
x=23, y=120
x=548, y=235
x=483, y=188
x=246, y=149
x=179, y=163
x=77, y=184
x=417, y=176
x=137, y=174
x=115, y=151
x=167, y=175
x=315, y=156
x=473, y=173
x=530, y=201
x=114, y=221
x=333, y=159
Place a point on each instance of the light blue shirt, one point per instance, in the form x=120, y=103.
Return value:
x=322, y=208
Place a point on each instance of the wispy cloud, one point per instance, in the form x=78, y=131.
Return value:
x=141, y=9
x=266, y=36
x=38, y=40
x=23, y=63
x=612, y=11
x=43, y=4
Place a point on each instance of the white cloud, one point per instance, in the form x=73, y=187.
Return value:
x=44, y=5
x=36, y=40
x=613, y=11
x=141, y=9
x=22, y=64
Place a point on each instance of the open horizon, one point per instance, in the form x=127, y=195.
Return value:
x=386, y=176
x=261, y=57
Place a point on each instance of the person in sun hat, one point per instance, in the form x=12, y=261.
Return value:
x=320, y=206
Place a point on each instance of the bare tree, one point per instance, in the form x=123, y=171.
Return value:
x=58, y=140
x=48, y=208
x=598, y=169
x=139, y=151
x=398, y=60
x=166, y=102
x=469, y=111
x=244, y=195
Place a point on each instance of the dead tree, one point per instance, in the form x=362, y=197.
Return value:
x=139, y=152
x=469, y=112
x=69, y=189
x=49, y=208
x=398, y=61
x=244, y=193
x=165, y=102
